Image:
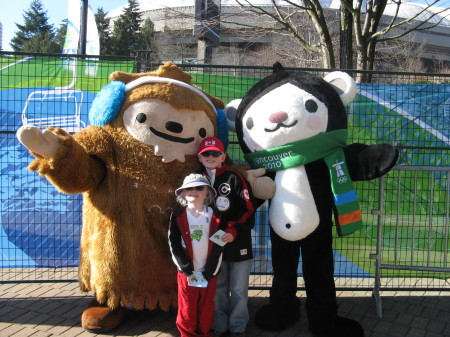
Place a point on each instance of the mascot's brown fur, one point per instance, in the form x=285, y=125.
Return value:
x=128, y=192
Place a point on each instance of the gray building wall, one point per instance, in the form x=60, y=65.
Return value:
x=178, y=23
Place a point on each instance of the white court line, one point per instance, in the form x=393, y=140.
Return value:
x=20, y=61
x=407, y=115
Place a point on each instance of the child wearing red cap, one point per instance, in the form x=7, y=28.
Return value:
x=236, y=210
x=197, y=258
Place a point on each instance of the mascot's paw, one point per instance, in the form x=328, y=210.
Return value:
x=262, y=186
x=43, y=142
x=344, y=327
x=273, y=318
x=98, y=318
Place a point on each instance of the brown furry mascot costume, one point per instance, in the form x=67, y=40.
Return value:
x=143, y=141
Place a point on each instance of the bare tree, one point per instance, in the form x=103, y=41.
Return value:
x=440, y=67
x=369, y=31
x=369, y=27
x=400, y=56
x=174, y=37
x=176, y=45
x=289, y=54
x=289, y=20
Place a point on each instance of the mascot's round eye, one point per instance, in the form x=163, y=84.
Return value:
x=202, y=133
x=249, y=123
x=311, y=105
x=141, y=118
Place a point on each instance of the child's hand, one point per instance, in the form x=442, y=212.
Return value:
x=227, y=237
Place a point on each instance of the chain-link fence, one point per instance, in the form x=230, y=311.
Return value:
x=40, y=228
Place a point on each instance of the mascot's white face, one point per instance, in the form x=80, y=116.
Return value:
x=283, y=115
x=172, y=132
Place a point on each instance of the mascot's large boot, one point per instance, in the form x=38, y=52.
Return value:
x=338, y=327
x=98, y=318
x=277, y=317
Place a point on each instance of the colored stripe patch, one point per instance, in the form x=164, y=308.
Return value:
x=345, y=198
x=349, y=218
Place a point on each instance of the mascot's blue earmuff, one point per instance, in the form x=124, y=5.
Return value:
x=109, y=101
x=222, y=127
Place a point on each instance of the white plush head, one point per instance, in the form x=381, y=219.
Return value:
x=283, y=115
x=288, y=109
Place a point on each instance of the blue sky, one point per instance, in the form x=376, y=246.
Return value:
x=12, y=12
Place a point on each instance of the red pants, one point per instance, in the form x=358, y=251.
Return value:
x=195, y=308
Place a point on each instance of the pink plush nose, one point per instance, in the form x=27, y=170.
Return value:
x=278, y=117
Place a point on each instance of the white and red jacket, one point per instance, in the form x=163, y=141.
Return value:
x=180, y=243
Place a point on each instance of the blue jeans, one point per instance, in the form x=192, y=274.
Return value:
x=230, y=302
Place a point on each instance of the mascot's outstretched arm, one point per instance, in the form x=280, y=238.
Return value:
x=366, y=162
x=56, y=151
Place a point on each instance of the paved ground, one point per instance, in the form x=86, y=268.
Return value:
x=54, y=309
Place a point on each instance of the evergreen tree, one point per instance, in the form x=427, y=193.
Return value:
x=148, y=35
x=126, y=35
x=103, y=31
x=60, y=36
x=41, y=43
x=148, y=42
x=36, y=34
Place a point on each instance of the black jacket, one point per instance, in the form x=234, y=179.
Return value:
x=236, y=208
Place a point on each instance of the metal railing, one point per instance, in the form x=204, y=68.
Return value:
x=413, y=230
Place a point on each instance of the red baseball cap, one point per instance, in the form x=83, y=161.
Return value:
x=211, y=144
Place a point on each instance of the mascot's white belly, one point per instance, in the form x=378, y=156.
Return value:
x=293, y=213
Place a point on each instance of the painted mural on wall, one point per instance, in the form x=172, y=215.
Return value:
x=40, y=227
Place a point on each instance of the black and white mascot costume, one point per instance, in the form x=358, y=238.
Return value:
x=294, y=124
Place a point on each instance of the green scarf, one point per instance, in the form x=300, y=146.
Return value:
x=328, y=146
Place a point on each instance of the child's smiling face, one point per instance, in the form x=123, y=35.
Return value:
x=194, y=195
x=210, y=162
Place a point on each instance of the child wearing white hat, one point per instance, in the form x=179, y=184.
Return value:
x=197, y=258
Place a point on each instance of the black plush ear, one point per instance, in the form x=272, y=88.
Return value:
x=277, y=67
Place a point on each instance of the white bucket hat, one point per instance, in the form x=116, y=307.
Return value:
x=193, y=180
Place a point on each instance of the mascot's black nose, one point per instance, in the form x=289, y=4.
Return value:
x=174, y=127
x=278, y=117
